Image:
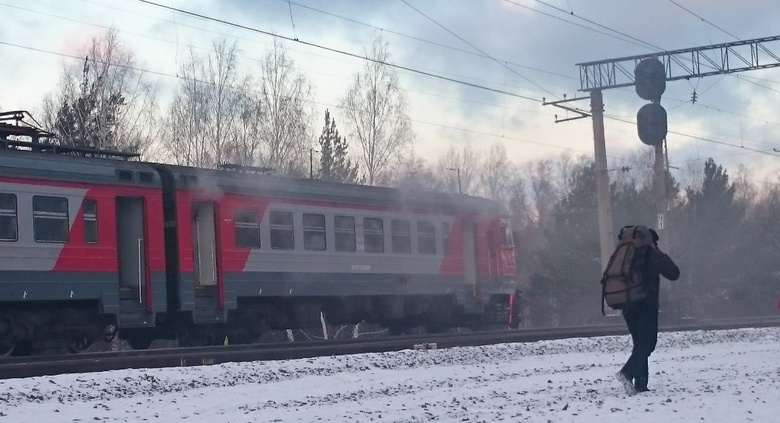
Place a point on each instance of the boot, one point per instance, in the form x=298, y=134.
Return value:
x=640, y=384
x=626, y=382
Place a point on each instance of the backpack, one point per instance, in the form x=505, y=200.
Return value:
x=621, y=282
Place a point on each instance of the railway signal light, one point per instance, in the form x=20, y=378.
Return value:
x=651, y=124
x=650, y=79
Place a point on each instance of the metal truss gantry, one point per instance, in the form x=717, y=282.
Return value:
x=686, y=63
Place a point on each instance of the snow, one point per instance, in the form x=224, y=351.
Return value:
x=721, y=376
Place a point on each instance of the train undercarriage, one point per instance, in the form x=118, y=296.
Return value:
x=53, y=327
x=56, y=328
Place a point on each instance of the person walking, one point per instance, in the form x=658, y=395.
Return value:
x=642, y=317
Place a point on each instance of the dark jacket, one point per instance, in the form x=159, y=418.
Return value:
x=656, y=264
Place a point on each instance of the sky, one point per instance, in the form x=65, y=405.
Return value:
x=527, y=49
x=718, y=376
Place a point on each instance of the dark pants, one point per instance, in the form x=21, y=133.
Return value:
x=642, y=322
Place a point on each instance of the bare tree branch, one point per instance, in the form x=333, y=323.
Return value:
x=375, y=110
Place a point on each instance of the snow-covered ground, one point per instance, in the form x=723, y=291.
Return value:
x=724, y=376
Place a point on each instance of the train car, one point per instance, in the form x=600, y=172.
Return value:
x=258, y=252
x=81, y=246
x=93, y=244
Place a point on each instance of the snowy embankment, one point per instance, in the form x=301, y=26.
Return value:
x=723, y=376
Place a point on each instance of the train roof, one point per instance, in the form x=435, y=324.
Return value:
x=72, y=166
x=75, y=165
x=251, y=183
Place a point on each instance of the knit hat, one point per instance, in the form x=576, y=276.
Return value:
x=655, y=235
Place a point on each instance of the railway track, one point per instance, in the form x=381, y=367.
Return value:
x=18, y=367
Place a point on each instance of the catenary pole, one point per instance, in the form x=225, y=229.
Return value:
x=602, y=179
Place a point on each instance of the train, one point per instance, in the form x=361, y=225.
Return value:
x=96, y=244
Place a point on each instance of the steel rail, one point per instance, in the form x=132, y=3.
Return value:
x=33, y=366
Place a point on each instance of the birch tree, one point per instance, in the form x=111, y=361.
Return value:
x=495, y=173
x=104, y=101
x=375, y=113
x=284, y=129
x=212, y=118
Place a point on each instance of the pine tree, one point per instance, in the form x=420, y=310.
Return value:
x=90, y=119
x=335, y=165
x=719, y=251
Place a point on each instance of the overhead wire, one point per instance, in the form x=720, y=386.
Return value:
x=176, y=42
x=476, y=48
x=571, y=13
x=704, y=20
x=640, y=44
x=422, y=40
x=398, y=66
x=635, y=41
x=360, y=57
x=335, y=50
x=236, y=88
x=755, y=150
x=167, y=41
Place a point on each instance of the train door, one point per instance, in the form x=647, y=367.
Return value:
x=131, y=251
x=207, y=283
x=470, y=257
x=493, y=269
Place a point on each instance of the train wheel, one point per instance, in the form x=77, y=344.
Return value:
x=397, y=329
x=7, y=340
x=436, y=328
x=79, y=342
x=7, y=347
x=139, y=342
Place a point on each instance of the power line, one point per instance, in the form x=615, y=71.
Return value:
x=741, y=77
x=71, y=56
x=414, y=120
x=422, y=40
x=473, y=131
x=655, y=47
x=334, y=50
x=476, y=48
x=704, y=20
x=701, y=138
x=641, y=44
x=699, y=104
x=201, y=16
x=455, y=128
x=208, y=49
x=571, y=13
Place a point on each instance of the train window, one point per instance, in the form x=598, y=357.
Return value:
x=445, y=238
x=146, y=177
x=124, y=175
x=89, y=212
x=188, y=180
x=373, y=235
x=247, y=227
x=313, y=232
x=9, y=230
x=402, y=240
x=50, y=219
x=426, y=238
x=345, y=233
x=282, y=234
